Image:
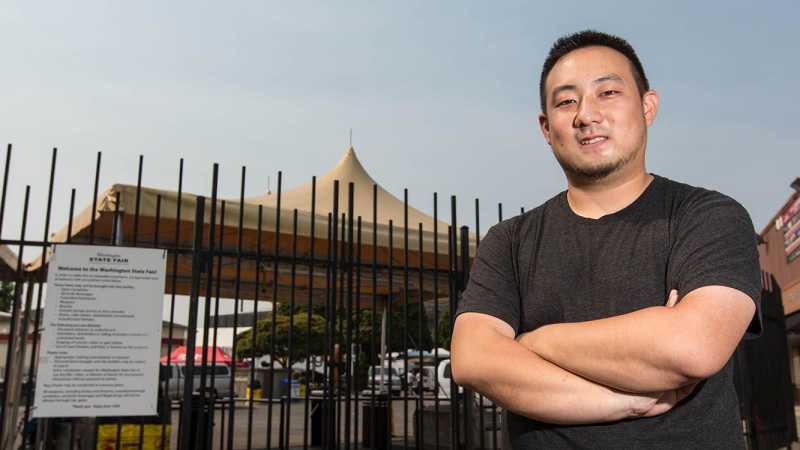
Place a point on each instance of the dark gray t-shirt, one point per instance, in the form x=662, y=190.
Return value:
x=550, y=265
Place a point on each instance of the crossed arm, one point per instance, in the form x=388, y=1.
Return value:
x=591, y=372
x=486, y=358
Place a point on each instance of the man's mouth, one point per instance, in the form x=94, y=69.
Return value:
x=593, y=140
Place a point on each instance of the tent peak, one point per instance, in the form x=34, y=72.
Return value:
x=349, y=156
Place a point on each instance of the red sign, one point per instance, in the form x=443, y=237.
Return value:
x=789, y=224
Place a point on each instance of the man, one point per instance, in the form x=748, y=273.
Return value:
x=606, y=317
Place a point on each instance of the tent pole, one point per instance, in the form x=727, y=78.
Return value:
x=383, y=345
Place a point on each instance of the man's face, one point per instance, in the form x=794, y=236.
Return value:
x=596, y=120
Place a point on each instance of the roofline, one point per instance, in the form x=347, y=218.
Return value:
x=769, y=224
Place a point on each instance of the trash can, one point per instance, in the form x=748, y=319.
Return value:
x=202, y=425
x=375, y=423
x=319, y=416
x=145, y=432
x=254, y=390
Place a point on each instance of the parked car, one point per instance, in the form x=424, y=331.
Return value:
x=444, y=374
x=385, y=379
x=176, y=378
x=426, y=376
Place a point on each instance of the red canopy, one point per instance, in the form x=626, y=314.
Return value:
x=178, y=356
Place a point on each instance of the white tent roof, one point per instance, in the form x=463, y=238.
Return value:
x=349, y=170
x=164, y=204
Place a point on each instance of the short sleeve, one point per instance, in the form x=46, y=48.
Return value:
x=492, y=287
x=715, y=244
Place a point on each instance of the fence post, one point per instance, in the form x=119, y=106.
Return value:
x=469, y=395
x=197, y=268
x=16, y=344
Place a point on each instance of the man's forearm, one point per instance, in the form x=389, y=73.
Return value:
x=521, y=381
x=635, y=352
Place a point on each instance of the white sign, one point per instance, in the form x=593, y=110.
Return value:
x=102, y=332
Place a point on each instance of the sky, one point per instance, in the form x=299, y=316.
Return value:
x=441, y=96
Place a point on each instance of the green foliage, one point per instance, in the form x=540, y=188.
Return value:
x=6, y=295
x=396, y=331
x=361, y=327
x=443, y=330
x=302, y=342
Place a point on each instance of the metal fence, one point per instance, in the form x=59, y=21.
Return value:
x=346, y=312
x=353, y=308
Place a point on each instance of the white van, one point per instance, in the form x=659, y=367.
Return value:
x=176, y=377
x=392, y=379
x=444, y=374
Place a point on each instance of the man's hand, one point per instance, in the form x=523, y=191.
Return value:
x=655, y=404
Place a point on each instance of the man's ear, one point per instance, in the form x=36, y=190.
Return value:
x=650, y=106
x=544, y=125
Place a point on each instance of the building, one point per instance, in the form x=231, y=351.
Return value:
x=779, y=255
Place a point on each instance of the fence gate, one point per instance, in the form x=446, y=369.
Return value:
x=315, y=318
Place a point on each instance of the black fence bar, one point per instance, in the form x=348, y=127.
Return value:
x=138, y=201
x=388, y=319
x=276, y=251
x=452, y=236
x=9, y=404
x=5, y=187
x=309, y=375
x=94, y=196
x=359, y=318
x=254, y=334
x=174, y=271
x=374, y=309
x=115, y=239
x=209, y=266
x=215, y=332
x=436, y=381
x=481, y=424
x=290, y=354
x=468, y=394
x=340, y=325
x=419, y=422
x=38, y=316
x=197, y=268
x=135, y=242
x=332, y=353
x=236, y=299
x=349, y=314
x=325, y=429
x=405, y=319
x=451, y=291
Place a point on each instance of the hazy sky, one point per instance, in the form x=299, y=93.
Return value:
x=442, y=96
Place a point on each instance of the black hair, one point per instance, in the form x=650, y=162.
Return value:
x=590, y=38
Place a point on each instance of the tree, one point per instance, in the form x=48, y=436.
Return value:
x=302, y=342
x=362, y=333
x=6, y=295
x=398, y=328
x=443, y=330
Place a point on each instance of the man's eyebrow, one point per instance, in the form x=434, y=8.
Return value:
x=609, y=77
x=572, y=87
x=562, y=88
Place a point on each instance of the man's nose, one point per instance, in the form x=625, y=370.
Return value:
x=588, y=113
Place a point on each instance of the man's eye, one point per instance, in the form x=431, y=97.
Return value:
x=609, y=93
x=564, y=102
